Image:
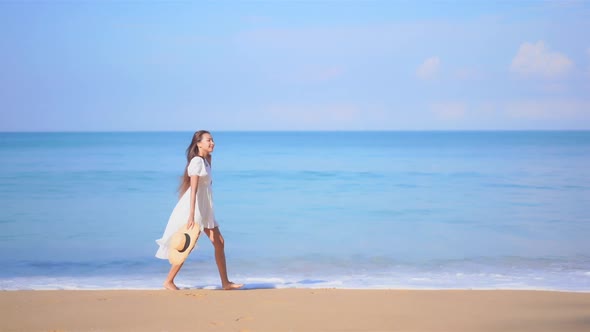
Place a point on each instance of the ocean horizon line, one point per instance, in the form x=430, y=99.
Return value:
x=300, y=131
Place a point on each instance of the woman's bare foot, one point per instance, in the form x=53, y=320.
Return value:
x=232, y=286
x=169, y=285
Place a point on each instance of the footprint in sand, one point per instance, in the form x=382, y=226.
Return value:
x=245, y=319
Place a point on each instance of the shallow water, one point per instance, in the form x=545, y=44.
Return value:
x=303, y=209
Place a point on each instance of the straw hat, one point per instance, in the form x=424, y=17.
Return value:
x=182, y=243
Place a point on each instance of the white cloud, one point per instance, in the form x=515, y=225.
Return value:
x=536, y=60
x=449, y=110
x=429, y=68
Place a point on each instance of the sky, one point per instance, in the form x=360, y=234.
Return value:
x=294, y=65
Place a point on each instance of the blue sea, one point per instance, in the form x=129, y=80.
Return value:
x=369, y=210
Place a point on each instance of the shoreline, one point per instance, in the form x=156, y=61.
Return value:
x=294, y=309
x=246, y=288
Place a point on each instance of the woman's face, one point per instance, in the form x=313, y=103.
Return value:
x=206, y=143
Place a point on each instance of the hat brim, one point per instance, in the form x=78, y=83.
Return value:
x=176, y=257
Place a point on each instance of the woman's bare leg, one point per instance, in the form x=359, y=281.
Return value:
x=219, y=244
x=169, y=283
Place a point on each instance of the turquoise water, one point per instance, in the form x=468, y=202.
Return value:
x=423, y=210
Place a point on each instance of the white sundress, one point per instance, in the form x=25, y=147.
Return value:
x=204, y=213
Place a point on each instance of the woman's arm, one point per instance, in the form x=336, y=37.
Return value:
x=194, y=187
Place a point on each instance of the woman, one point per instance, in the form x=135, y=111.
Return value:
x=195, y=208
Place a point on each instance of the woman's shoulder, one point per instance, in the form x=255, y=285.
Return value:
x=196, y=162
x=201, y=160
x=197, y=159
x=197, y=166
x=205, y=160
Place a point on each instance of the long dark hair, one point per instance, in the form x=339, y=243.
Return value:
x=191, y=152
